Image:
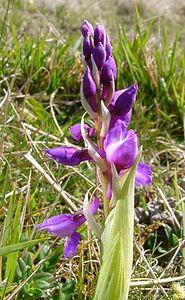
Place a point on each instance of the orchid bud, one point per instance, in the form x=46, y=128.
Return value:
x=99, y=35
x=109, y=69
x=89, y=88
x=87, y=48
x=125, y=101
x=86, y=29
x=99, y=55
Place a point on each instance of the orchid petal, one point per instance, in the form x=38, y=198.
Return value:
x=115, y=134
x=123, y=153
x=125, y=101
x=75, y=131
x=71, y=244
x=143, y=175
x=62, y=225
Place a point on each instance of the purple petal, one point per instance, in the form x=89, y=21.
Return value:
x=68, y=156
x=116, y=134
x=124, y=118
x=99, y=35
x=94, y=205
x=114, y=99
x=62, y=225
x=124, y=101
x=71, y=244
x=123, y=153
x=86, y=29
x=75, y=131
x=99, y=55
x=143, y=175
x=107, y=92
x=91, y=132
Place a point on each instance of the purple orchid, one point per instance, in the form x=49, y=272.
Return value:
x=66, y=225
x=121, y=148
x=68, y=156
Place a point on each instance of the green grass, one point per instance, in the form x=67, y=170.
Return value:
x=40, y=81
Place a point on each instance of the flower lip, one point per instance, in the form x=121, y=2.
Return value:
x=71, y=244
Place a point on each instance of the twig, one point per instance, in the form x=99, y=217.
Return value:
x=156, y=281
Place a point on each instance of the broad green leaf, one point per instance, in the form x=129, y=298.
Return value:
x=20, y=246
x=117, y=239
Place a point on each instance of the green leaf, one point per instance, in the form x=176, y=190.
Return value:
x=41, y=284
x=20, y=246
x=117, y=239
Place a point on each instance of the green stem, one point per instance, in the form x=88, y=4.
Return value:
x=106, y=201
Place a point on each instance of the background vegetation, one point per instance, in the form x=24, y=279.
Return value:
x=40, y=73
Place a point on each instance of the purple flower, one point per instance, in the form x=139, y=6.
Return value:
x=65, y=225
x=121, y=148
x=75, y=131
x=68, y=156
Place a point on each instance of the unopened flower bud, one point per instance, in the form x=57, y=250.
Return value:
x=99, y=55
x=87, y=48
x=99, y=35
x=86, y=29
x=89, y=88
